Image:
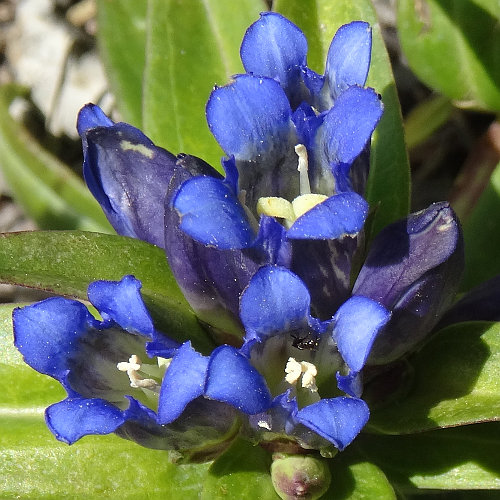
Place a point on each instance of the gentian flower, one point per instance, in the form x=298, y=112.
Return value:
x=219, y=231
x=264, y=256
x=112, y=372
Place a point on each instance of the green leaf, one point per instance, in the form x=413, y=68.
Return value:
x=389, y=180
x=65, y=262
x=122, y=44
x=240, y=472
x=35, y=465
x=49, y=191
x=191, y=46
x=356, y=479
x=463, y=33
x=457, y=458
x=426, y=118
x=456, y=382
x=482, y=236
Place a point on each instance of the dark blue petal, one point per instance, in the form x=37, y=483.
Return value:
x=249, y=116
x=91, y=116
x=338, y=420
x=413, y=268
x=348, y=126
x=121, y=301
x=276, y=300
x=340, y=215
x=71, y=419
x=274, y=47
x=348, y=59
x=405, y=250
x=129, y=176
x=307, y=122
x=325, y=268
x=356, y=325
x=211, y=279
x=184, y=381
x=314, y=83
x=211, y=213
x=233, y=380
x=351, y=384
x=272, y=239
x=47, y=333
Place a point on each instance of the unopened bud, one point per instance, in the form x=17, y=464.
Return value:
x=303, y=477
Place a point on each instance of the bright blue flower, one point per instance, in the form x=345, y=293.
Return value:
x=274, y=47
x=113, y=382
x=264, y=256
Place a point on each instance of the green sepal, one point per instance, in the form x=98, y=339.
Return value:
x=455, y=383
x=389, y=179
x=47, y=189
x=65, y=262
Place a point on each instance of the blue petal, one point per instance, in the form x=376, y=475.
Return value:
x=91, y=116
x=129, y=176
x=348, y=126
x=407, y=249
x=356, y=325
x=250, y=116
x=211, y=279
x=183, y=382
x=121, y=302
x=71, y=419
x=348, y=59
x=47, y=333
x=338, y=420
x=272, y=239
x=275, y=300
x=211, y=214
x=351, y=384
x=233, y=380
x=274, y=47
x=340, y=215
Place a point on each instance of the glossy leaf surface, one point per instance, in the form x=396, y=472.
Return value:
x=455, y=383
x=461, y=458
x=66, y=262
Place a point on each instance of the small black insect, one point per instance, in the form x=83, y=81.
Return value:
x=310, y=341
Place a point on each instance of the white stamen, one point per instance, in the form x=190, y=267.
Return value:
x=305, y=187
x=132, y=367
x=294, y=370
x=264, y=424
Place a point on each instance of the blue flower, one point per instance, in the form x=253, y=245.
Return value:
x=217, y=231
x=112, y=371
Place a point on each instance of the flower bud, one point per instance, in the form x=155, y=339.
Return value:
x=299, y=476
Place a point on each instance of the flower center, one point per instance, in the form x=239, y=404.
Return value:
x=137, y=371
x=290, y=211
x=307, y=371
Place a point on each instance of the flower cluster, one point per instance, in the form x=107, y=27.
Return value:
x=271, y=257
